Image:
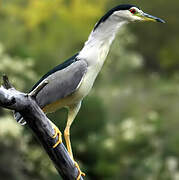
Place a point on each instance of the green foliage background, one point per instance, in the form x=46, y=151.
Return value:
x=128, y=125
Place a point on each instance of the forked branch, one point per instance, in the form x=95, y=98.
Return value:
x=12, y=99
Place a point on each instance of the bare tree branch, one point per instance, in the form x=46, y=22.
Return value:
x=12, y=99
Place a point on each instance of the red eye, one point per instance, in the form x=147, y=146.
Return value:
x=133, y=11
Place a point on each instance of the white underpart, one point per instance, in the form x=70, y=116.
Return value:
x=96, y=50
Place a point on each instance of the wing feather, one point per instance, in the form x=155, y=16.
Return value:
x=62, y=83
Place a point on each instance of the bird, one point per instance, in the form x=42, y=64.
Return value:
x=70, y=82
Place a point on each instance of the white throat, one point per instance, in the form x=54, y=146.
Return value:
x=97, y=46
x=95, y=51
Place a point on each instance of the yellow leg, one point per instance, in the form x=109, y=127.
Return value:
x=67, y=140
x=80, y=173
x=57, y=133
x=73, y=111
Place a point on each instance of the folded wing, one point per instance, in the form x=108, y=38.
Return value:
x=62, y=83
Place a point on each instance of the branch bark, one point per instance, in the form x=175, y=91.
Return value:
x=12, y=99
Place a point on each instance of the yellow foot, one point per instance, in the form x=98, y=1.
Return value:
x=80, y=172
x=59, y=134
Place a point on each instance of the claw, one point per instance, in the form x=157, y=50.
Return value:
x=80, y=172
x=59, y=134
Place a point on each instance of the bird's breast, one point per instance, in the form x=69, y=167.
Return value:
x=95, y=59
x=95, y=62
x=86, y=84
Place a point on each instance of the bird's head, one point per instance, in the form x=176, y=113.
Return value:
x=133, y=13
x=127, y=13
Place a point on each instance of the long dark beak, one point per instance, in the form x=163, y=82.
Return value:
x=148, y=17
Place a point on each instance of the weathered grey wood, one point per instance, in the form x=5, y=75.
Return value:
x=12, y=99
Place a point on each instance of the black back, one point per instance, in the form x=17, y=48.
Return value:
x=57, y=68
x=110, y=12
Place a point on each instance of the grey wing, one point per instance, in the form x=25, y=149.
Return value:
x=62, y=83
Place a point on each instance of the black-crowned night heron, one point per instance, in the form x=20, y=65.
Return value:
x=72, y=80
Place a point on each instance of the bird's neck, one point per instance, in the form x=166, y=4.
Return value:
x=97, y=46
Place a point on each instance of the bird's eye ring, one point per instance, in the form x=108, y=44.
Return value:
x=133, y=11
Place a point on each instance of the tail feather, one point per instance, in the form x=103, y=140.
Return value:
x=18, y=117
